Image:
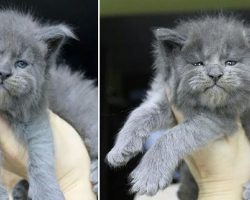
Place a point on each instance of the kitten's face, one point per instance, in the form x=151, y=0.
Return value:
x=27, y=48
x=215, y=71
x=22, y=67
x=210, y=62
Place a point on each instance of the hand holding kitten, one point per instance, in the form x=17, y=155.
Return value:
x=73, y=170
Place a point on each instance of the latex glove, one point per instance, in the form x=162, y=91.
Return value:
x=72, y=160
x=221, y=168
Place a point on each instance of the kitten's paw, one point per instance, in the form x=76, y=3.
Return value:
x=246, y=192
x=150, y=177
x=122, y=152
x=20, y=191
x=94, y=175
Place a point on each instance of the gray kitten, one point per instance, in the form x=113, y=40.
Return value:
x=205, y=66
x=27, y=50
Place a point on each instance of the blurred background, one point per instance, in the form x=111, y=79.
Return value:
x=82, y=15
x=125, y=66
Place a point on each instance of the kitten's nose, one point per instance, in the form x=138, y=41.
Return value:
x=215, y=77
x=4, y=75
x=215, y=72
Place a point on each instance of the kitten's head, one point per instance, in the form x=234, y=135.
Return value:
x=209, y=61
x=27, y=48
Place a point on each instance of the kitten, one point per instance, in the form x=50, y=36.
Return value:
x=27, y=50
x=203, y=64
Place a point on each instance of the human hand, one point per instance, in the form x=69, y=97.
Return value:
x=222, y=168
x=72, y=160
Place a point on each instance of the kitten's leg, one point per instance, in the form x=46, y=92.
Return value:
x=245, y=119
x=158, y=165
x=155, y=113
x=188, y=189
x=41, y=166
x=20, y=191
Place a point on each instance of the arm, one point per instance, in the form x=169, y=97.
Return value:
x=153, y=114
x=157, y=166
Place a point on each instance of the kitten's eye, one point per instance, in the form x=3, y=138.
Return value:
x=21, y=64
x=198, y=64
x=230, y=62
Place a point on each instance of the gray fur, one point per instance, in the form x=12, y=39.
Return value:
x=212, y=96
x=24, y=92
x=154, y=113
x=74, y=98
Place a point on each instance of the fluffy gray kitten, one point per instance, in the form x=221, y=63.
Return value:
x=28, y=50
x=205, y=66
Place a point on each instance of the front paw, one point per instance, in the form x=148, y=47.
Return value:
x=94, y=175
x=151, y=175
x=246, y=192
x=41, y=193
x=123, y=151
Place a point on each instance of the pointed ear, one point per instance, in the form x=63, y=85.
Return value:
x=246, y=34
x=54, y=37
x=169, y=38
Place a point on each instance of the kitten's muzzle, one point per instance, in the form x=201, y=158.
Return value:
x=4, y=75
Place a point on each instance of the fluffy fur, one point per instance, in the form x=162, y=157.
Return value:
x=75, y=99
x=204, y=65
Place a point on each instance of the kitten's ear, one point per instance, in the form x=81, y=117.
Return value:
x=54, y=36
x=246, y=33
x=169, y=38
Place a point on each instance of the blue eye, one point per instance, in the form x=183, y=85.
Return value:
x=21, y=64
x=198, y=64
x=230, y=62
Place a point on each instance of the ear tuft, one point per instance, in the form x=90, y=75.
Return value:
x=169, y=38
x=67, y=31
x=54, y=37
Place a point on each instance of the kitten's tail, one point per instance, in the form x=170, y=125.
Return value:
x=75, y=99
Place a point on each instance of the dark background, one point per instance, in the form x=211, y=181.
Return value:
x=125, y=76
x=82, y=15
